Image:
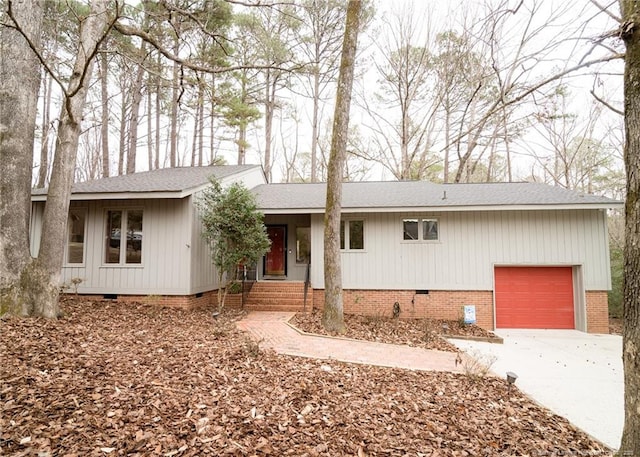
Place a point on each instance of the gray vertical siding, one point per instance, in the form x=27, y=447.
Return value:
x=165, y=266
x=176, y=260
x=470, y=245
x=204, y=276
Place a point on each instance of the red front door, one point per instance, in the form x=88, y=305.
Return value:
x=275, y=260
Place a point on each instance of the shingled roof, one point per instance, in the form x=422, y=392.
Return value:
x=178, y=181
x=357, y=196
x=422, y=195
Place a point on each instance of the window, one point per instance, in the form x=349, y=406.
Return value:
x=128, y=222
x=352, y=235
x=410, y=229
x=303, y=244
x=430, y=229
x=75, y=235
x=416, y=229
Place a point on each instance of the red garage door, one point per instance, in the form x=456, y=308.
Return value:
x=534, y=297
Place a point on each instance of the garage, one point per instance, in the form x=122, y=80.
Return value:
x=534, y=297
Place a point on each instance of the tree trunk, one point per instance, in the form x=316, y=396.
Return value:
x=332, y=317
x=630, y=32
x=447, y=136
x=268, y=122
x=45, y=274
x=136, y=99
x=150, y=144
x=175, y=88
x=156, y=164
x=315, y=127
x=43, y=171
x=122, y=150
x=212, y=125
x=194, y=139
x=242, y=143
x=200, y=121
x=19, y=85
x=104, y=128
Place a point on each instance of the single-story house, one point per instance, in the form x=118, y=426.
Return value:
x=524, y=255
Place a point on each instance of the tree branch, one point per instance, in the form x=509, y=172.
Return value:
x=497, y=106
x=33, y=47
x=605, y=103
x=605, y=10
x=132, y=31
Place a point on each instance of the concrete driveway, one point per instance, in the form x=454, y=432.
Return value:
x=576, y=375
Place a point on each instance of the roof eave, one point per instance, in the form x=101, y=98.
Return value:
x=442, y=209
x=121, y=195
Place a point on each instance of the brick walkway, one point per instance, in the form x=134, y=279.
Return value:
x=273, y=331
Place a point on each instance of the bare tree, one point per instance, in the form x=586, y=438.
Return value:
x=578, y=159
x=332, y=317
x=403, y=119
x=19, y=82
x=517, y=40
x=134, y=115
x=104, y=97
x=630, y=33
x=319, y=40
x=45, y=274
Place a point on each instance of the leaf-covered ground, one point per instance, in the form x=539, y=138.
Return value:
x=425, y=333
x=137, y=380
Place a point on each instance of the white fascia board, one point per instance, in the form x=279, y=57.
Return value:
x=119, y=196
x=443, y=209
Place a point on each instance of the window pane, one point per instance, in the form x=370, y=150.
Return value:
x=430, y=229
x=134, y=236
x=341, y=234
x=112, y=250
x=75, y=241
x=410, y=229
x=356, y=234
x=303, y=244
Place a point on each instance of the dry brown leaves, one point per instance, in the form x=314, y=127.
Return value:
x=615, y=326
x=425, y=333
x=113, y=379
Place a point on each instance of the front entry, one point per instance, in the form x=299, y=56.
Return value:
x=275, y=262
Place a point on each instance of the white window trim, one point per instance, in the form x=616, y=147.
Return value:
x=84, y=247
x=348, y=220
x=125, y=218
x=420, y=220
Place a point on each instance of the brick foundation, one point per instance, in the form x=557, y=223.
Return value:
x=437, y=304
x=597, y=311
x=206, y=300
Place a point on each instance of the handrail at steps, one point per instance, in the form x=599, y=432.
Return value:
x=307, y=283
